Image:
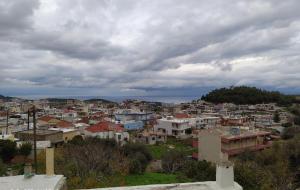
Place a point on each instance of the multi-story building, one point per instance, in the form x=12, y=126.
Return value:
x=228, y=142
x=179, y=128
x=133, y=120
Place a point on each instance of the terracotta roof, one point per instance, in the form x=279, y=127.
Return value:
x=84, y=120
x=46, y=118
x=104, y=126
x=182, y=115
x=64, y=124
x=69, y=111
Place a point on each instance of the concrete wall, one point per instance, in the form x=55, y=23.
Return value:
x=209, y=147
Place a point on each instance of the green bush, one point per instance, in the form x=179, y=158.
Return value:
x=25, y=149
x=199, y=170
x=173, y=161
x=8, y=149
x=139, y=157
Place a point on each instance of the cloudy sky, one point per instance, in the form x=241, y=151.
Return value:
x=142, y=47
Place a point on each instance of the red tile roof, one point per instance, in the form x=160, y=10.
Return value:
x=104, y=126
x=46, y=118
x=64, y=124
x=84, y=120
x=182, y=115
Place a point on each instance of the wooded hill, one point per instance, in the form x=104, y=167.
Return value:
x=247, y=95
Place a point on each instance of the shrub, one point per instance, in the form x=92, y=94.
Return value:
x=25, y=149
x=139, y=157
x=8, y=150
x=172, y=161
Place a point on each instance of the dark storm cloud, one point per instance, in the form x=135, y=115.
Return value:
x=145, y=46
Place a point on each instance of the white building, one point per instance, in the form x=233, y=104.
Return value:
x=204, y=122
x=107, y=130
x=179, y=128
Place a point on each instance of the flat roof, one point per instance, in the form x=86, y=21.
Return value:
x=39, y=132
x=64, y=130
x=36, y=182
x=174, y=120
x=208, y=185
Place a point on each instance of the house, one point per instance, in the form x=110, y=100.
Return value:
x=151, y=137
x=55, y=137
x=108, y=130
x=234, y=121
x=68, y=134
x=47, y=121
x=133, y=120
x=230, y=142
x=204, y=122
x=63, y=124
x=69, y=115
x=50, y=122
x=133, y=125
x=179, y=128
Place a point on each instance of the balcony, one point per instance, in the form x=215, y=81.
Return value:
x=234, y=152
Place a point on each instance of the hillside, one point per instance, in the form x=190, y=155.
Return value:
x=5, y=98
x=247, y=95
x=99, y=100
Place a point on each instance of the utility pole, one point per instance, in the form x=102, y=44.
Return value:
x=7, y=117
x=28, y=117
x=34, y=138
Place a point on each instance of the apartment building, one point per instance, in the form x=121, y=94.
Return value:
x=228, y=142
x=179, y=128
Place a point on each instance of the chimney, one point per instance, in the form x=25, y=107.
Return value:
x=224, y=175
x=49, y=161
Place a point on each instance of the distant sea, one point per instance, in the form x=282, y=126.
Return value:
x=164, y=99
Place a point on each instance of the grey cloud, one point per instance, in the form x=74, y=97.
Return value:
x=149, y=45
x=15, y=15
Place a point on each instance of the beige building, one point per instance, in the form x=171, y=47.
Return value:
x=55, y=137
x=229, y=142
x=151, y=137
x=68, y=134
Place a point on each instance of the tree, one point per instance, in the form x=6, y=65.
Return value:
x=77, y=140
x=8, y=150
x=276, y=117
x=199, y=170
x=247, y=95
x=249, y=175
x=101, y=157
x=297, y=120
x=25, y=149
x=139, y=157
x=172, y=161
x=290, y=132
